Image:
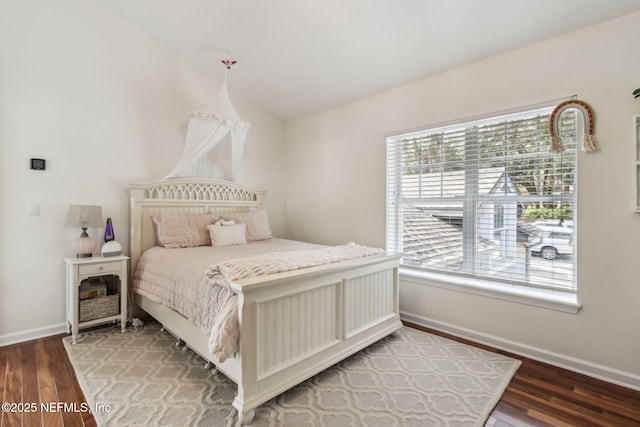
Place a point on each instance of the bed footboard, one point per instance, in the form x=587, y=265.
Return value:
x=292, y=325
x=296, y=325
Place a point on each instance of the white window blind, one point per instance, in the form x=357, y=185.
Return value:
x=487, y=199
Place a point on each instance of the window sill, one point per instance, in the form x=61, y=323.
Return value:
x=550, y=299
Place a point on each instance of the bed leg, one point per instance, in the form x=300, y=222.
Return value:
x=179, y=342
x=246, y=417
x=210, y=365
x=185, y=348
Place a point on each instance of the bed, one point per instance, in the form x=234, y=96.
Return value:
x=337, y=308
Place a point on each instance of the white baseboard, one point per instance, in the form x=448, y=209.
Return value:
x=615, y=376
x=32, y=334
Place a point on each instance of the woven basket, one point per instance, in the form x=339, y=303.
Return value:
x=96, y=308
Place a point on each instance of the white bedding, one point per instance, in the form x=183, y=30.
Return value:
x=195, y=281
x=222, y=274
x=178, y=279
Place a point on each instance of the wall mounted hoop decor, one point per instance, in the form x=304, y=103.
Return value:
x=589, y=143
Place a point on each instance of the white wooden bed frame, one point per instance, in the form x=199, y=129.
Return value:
x=292, y=325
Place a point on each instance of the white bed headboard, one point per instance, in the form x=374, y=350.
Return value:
x=184, y=195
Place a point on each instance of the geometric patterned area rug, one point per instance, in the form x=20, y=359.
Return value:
x=411, y=378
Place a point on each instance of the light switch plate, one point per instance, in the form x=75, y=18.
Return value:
x=33, y=208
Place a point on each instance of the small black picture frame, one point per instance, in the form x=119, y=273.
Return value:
x=38, y=164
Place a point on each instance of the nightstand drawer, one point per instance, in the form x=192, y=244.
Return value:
x=99, y=268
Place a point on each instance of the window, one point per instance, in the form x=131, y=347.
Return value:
x=486, y=199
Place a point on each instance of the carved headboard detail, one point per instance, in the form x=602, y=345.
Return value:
x=183, y=195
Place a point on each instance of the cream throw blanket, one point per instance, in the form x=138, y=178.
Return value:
x=223, y=340
x=195, y=281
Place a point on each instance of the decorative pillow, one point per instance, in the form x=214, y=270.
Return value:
x=183, y=229
x=257, y=223
x=227, y=235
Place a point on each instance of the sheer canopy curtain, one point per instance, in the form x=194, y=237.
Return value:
x=215, y=141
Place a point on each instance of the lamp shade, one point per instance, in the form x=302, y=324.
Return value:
x=84, y=216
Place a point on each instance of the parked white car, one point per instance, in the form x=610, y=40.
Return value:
x=557, y=241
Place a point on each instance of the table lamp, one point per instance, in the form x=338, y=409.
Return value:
x=84, y=216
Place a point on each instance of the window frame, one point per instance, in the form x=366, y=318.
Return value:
x=565, y=300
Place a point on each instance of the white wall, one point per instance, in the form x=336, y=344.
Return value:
x=336, y=186
x=105, y=107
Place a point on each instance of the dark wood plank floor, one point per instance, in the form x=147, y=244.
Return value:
x=38, y=372
x=539, y=394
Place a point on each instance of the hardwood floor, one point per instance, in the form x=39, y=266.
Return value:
x=39, y=371
x=539, y=395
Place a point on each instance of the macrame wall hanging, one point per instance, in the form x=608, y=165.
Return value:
x=589, y=143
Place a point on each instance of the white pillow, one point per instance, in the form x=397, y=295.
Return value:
x=257, y=223
x=227, y=235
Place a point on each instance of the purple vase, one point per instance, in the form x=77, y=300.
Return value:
x=109, y=234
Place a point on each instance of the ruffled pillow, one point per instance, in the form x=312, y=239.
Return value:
x=183, y=229
x=257, y=223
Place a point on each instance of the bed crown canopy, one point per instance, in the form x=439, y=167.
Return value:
x=215, y=139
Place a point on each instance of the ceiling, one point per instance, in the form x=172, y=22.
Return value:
x=298, y=57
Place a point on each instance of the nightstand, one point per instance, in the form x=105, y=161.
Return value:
x=111, y=307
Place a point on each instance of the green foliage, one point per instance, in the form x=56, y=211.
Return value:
x=518, y=145
x=548, y=213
